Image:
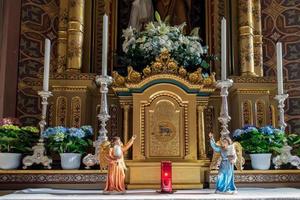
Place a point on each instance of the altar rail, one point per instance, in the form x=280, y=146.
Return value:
x=261, y=178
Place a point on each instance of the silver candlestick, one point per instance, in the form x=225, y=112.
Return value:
x=39, y=151
x=224, y=118
x=93, y=159
x=285, y=155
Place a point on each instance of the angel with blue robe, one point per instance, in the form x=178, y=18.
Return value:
x=225, y=181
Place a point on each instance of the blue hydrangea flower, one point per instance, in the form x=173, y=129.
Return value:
x=250, y=129
x=267, y=130
x=238, y=133
x=48, y=132
x=76, y=132
x=60, y=129
x=87, y=129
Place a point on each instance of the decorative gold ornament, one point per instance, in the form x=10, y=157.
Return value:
x=165, y=65
x=118, y=80
x=133, y=76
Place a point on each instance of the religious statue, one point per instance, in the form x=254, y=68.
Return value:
x=225, y=181
x=111, y=157
x=177, y=10
x=141, y=13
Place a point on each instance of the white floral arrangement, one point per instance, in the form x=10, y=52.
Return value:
x=141, y=48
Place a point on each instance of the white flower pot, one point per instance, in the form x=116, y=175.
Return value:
x=70, y=160
x=10, y=160
x=261, y=161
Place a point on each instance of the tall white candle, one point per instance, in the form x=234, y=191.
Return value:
x=279, y=67
x=223, y=49
x=46, y=65
x=104, y=45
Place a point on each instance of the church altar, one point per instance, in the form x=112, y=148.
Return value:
x=170, y=110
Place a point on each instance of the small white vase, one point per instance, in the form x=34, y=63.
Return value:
x=261, y=161
x=10, y=160
x=70, y=160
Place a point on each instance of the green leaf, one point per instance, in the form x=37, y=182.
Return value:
x=157, y=16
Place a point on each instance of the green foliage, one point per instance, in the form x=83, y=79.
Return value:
x=262, y=140
x=14, y=139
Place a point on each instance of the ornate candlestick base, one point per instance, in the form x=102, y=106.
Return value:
x=39, y=151
x=285, y=156
x=224, y=118
x=93, y=159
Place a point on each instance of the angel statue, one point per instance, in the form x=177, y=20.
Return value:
x=225, y=181
x=111, y=158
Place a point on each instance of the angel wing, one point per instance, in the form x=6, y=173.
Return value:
x=240, y=161
x=104, y=154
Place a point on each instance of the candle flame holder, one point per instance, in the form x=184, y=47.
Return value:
x=93, y=159
x=224, y=118
x=39, y=151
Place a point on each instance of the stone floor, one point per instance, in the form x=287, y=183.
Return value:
x=244, y=193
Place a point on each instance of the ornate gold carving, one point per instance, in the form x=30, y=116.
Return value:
x=76, y=112
x=69, y=88
x=247, y=113
x=62, y=36
x=133, y=76
x=260, y=113
x=167, y=67
x=253, y=91
x=163, y=115
x=61, y=111
x=243, y=79
x=196, y=76
x=118, y=80
x=257, y=39
x=246, y=38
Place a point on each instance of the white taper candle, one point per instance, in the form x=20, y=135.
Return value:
x=279, y=67
x=104, y=45
x=46, y=65
x=223, y=49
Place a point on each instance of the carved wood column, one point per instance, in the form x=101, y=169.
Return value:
x=257, y=38
x=75, y=35
x=126, y=108
x=246, y=38
x=62, y=36
x=201, y=131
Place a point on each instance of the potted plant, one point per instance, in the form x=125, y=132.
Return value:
x=70, y=143
x=14, y=141
x=259, y=143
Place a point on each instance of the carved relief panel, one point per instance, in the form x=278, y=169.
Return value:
x=163, y=120
x=165, y=123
